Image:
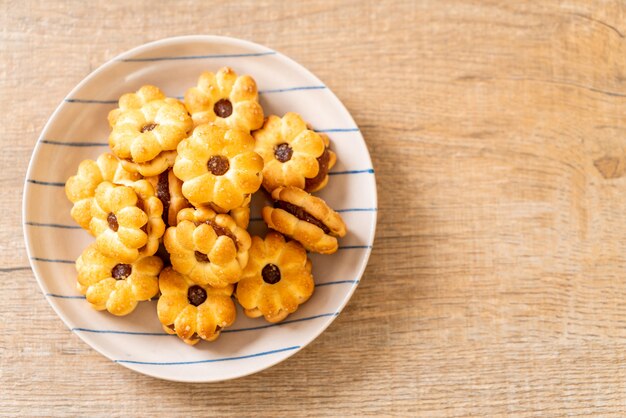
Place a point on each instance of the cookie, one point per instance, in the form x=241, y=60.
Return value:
x=241, y=216
x=276, y=280
x=145, y=125
x=305, y=218
x=226, y=100
x=326, y=161
x=244, y=204
x=126, y=221
x=117, y=287
x=218, y=166
x=193, y=311
x=291, y=153
x=208, y=247
x=154, y=167
x=81, y=188
x=153, y=207
x=168, y=189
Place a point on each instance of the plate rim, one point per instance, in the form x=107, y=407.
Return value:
x=105, y=66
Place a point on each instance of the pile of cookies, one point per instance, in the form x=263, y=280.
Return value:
x=169, y=208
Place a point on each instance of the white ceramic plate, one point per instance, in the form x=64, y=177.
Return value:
x=78, y=129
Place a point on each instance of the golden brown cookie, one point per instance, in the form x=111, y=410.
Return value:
x=241, y=216
x=245, y=204
x=292, y=153
x=276, y=280
x=169, y=190
x=218, y=166
x=154, y=167
x=115, y=286
x=193, y=311
x=153, y=207
x=145, y=125
x=81, y=188
x=226, y=100
x=126, y=221
x=210, y=248
x=305, y=218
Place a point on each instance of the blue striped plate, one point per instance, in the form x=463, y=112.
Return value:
x=78, y=129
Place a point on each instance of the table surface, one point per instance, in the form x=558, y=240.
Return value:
x=497, y=281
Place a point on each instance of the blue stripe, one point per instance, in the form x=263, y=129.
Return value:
x=354, y=247
x=75, y=144
x=161, y=334
x=338, y=130
x=51, y=260
x=53, y=225
x=283, y=90
x=195, y=57
x=54, y=295
x=345, y=247
x=176, y=363
x=258, y=219
x=337, y=173
x=281, y=323
x=253, y=219
x=90, y=101
x=356, y=210
x=337, y=282
x=46, y=183
x=109, y=331
x=269, y=91
x=334, y=173
x=292, y=89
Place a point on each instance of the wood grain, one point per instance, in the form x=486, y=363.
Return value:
x=498, y=278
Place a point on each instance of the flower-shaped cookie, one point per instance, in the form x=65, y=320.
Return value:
x=193, y=311
x=81, y=188
x=305, y=218
x=210, y=248
x=147, y=124
x=290, y=151
x=276, y=280
x=226, y=100
x=169, y=190
x=115, y=286
x=218, y=166
x=126, y=221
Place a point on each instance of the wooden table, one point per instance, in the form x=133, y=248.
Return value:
x=498, y=277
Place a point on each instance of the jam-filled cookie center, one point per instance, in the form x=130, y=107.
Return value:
x=223, y=108
x=121, y=271
x=148, y=127
x=271, y=274
x=196, y=295
x=163, y=194
x=301, y=214
x=220, y=230
x=322, y=161
x=201, y=257
x=218, y=165
x=283, y=152
x=112, y=221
